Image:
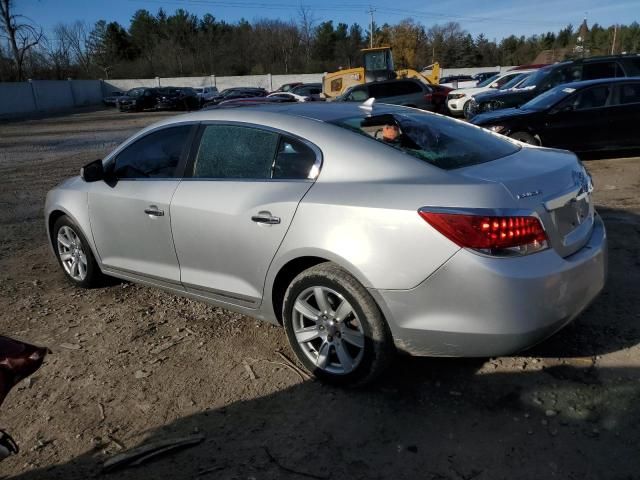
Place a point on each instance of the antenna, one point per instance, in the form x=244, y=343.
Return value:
x=367, y=105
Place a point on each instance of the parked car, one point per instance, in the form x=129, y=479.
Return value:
x=287, y=87
x=111, y=99
x=466, y=244
x=177, y=98
x=236, y=92
x=138, y=99
x=408, y=92
x=582, y=116
x=289, y=97
x=482, y=76
x=458, y=101
x=307, y=89
x=548, y=77
x=458, y=81
x=206, y=93
x=239, y=102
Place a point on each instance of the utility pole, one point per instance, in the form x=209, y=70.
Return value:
x=370, y=12
x=613, y=44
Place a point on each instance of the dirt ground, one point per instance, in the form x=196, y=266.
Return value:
x=132, y=365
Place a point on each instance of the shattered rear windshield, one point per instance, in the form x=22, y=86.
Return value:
x=440, y=141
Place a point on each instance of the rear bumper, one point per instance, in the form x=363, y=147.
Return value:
x=477, y=306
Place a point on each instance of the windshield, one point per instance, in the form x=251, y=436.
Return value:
x=135, y=92
x=488, y=81
x=549, y=98
x=535, y=78
x=439, y=141
x=514, y=81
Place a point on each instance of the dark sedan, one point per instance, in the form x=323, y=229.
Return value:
x=138, y=99
x=582, y=116
x=173, y=98
x=237, y=92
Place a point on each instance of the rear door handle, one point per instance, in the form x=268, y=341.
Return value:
x=266, y=218
x=154, y=211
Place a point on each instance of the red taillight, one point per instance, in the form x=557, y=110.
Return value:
x=523, y=234
x=428, y=97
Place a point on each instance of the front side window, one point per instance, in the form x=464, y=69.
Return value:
x=437, y=140
x=586, y=99
x=155, y=155
x=231, y=151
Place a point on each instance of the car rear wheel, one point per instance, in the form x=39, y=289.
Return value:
x=525, y=137
x=335, y=327
x=74, y=254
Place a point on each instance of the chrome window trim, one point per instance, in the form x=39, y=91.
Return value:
x=317, y=165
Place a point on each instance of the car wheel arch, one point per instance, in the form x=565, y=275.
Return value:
x=53, y=217
x=291, y=267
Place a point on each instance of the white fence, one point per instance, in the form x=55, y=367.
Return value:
x=19, y=99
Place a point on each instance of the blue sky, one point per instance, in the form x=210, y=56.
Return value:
x=495, y=18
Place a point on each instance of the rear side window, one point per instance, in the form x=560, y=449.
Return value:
x=155, y=155
x=440, y=141
x=230, y=151
x=592, y=71
x=294, y=161
x=629, y=93
x=380, y=90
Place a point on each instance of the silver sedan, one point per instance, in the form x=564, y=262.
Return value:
x=362, y=229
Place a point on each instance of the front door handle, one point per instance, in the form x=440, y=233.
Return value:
x=266, y=218
x=154, y=211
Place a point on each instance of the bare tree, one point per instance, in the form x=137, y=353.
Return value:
x=76, y=37
x=21, y=33
x=307, y=27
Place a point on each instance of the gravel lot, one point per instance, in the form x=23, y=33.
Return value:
x=133, y=364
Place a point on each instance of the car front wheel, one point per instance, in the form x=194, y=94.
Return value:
x=525, y=137
x=335, y=327
x=74, y=254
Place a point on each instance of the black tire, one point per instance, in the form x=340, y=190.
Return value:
x=378, y=350
x=525, y=137
x=465, y=109
x=94, y=277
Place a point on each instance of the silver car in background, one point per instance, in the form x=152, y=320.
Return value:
x=446, y=241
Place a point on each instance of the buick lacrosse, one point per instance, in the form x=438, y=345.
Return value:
x=362, y=229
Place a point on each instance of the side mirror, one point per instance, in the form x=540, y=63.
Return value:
x=93, y=172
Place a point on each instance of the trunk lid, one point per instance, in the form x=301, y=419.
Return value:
x=554, y=184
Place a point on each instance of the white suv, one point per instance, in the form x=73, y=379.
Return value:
x=458, y=100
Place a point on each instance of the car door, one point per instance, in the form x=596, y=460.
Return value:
x=230, y=217
x=579, y=122
x=624, y=116
x=130, y=216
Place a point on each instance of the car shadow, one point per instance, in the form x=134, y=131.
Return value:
x=555, y=411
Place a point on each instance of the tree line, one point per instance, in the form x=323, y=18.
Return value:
x=183, y=44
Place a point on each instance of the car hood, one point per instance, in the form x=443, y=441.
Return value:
x=498, y=116
x=511, y=98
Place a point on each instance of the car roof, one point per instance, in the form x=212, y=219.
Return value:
x=318, y=111
x=599, y=81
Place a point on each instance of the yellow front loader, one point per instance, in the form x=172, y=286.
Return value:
x=378, y=65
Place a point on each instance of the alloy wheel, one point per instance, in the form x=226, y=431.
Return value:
x=72, y=254
x=328, y=330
